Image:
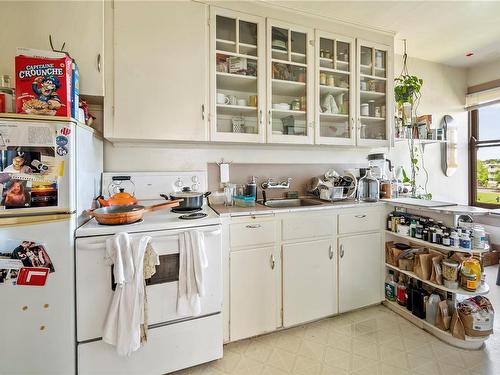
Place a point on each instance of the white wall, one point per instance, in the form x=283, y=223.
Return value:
x=483, y=73
x=443, y=92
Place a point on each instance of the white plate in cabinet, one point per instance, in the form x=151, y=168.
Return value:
x=309, y=281
x=304, y=225
x=360, y=271
x=252, y=233
x=362, y=221
x=254, y=276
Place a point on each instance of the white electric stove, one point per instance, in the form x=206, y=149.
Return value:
x=175, y=341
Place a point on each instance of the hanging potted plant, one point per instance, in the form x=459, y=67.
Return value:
x=407, y=96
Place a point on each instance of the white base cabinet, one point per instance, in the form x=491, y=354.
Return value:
x=253, y=292
x=309, y=281
x=360, y=271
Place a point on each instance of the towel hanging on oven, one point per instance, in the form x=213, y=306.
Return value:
x=192, y=263
x=122, y=327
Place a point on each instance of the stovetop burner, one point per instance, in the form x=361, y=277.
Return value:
x=114, y=225
x=184, y=210
x=193, y=216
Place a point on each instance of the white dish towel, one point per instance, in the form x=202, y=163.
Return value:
x=192, y=263
x=122, y=327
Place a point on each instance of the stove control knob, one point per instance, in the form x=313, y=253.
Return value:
x=195, y=179
x=195, y=187
x=179, y=183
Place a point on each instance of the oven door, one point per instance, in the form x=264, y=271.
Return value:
x=95, y=284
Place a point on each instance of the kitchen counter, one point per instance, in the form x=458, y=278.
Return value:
x=259, y=209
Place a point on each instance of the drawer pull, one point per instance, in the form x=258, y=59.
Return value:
x=272, y=262
x=360, y=216
x=330, y=252
x=253, y=226
x=341, y=251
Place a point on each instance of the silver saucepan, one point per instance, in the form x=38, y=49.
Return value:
x=191, y=200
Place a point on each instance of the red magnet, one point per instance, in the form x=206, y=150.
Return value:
x=33, y=276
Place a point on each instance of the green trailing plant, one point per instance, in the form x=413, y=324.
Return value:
x=407, y=93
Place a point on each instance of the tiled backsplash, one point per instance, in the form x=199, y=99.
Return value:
x=301, y=174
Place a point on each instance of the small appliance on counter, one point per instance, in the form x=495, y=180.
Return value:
x=368, y=188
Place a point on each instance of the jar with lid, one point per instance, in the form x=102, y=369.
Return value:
x=368, y=188
x=450, y=269
x=446, y=240
x=389, y=221
x=371, y=108
x=419, y=231
x=454, y=240
x=322, y=78
x=465, y=242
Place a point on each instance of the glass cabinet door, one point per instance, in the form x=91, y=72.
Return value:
x=335, y=89
x=289, y=85
x=238, y=67
x=375, y=85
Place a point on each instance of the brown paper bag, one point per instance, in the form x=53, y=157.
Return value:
x=443, y=318
x=423, y=266
x=457, y=327
x=437, y=272
x=389, y=256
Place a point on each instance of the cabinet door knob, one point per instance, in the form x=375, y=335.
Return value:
x=341, y=251
x=330, y=252
x=272, y=261
x=99, y=62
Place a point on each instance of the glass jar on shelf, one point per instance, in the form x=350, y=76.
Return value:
x=368, y=188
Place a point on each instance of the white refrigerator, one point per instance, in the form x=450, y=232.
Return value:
x=50, y=173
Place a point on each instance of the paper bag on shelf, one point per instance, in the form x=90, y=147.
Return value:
x=443, y=319
x=437, y=271
x=457, y=327
x=423, y=266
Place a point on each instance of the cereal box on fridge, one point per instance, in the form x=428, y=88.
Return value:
x=43, y=83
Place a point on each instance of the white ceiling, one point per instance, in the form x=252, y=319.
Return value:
x=439, y=31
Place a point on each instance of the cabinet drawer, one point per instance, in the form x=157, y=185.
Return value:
x=252, y=233
x=309, y=226
x=360, y=221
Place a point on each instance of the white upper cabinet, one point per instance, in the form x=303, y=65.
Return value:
x=374, y=90
x=79, y=24
x=290, y=83
x=237, y=76
x=335, y=89
x=160, y=71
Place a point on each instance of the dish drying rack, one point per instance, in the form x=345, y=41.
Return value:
x=333, y=187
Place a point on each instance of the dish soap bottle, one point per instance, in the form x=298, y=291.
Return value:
x=390, y=287
x=251, y=188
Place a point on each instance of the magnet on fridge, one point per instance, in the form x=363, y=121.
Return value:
x=65, y=131
x=62, y=151
x=61, y=168
x=61, y=140
x=32, y=276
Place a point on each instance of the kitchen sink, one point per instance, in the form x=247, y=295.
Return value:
x=283, y=203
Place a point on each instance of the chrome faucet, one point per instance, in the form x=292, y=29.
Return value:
x=270, y=184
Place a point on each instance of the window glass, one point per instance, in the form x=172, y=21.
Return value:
x=488, y=175
x=489, y=123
